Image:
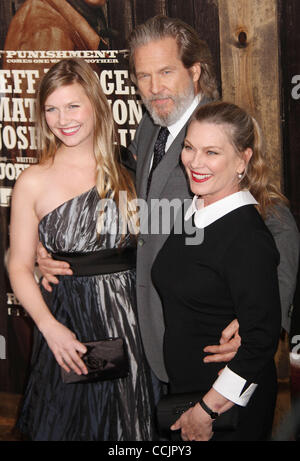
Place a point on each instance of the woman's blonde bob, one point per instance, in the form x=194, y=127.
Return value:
x=111, y=176
x=244, y=132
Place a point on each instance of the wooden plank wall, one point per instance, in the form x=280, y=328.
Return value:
x=244, y=39
x=200, y=14
x=250, y=66
x=204, y=17
x=6, y=13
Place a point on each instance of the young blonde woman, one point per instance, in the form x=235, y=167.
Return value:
x=231, y=274
x=71, y=201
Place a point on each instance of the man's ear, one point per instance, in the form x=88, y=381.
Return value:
x=195, y=70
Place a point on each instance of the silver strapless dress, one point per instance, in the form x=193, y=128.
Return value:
x=93, y=307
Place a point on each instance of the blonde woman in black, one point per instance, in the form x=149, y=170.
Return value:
x=231, y=274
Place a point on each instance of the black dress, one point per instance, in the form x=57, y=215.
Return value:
x=93, y=307
x=231, y=274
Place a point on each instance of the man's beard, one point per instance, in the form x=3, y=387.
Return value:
x=181, y=103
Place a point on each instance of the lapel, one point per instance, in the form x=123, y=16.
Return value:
x=143, y=173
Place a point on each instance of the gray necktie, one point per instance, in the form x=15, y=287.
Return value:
x=159, y=152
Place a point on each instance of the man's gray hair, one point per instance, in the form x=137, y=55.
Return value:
x=190, y=48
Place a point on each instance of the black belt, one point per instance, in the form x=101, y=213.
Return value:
x=99, y=262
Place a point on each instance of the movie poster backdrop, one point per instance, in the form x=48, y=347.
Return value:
x=23, y=63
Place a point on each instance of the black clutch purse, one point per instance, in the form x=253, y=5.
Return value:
x=171, y=407
x=105, y=359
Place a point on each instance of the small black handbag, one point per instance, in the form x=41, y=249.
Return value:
x=171, y=407
x=105, y=359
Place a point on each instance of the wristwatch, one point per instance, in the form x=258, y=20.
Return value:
x=211, y=413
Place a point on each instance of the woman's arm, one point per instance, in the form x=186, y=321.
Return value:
x=23, y=242
x=250, y=270
x=195, y=423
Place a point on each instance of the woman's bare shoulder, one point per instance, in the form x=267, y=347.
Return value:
x=33, y=177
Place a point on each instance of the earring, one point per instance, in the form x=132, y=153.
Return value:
x=240, y=175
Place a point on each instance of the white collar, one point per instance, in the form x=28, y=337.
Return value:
x=176, y=127
x=204, y=216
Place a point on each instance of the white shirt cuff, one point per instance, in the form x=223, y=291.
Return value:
x=230, y=385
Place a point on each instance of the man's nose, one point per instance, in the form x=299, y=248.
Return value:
x=155, y=84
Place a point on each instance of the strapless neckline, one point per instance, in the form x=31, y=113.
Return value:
x=65, y=202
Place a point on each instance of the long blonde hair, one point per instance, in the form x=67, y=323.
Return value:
x=244, y=132
x=111, y=176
